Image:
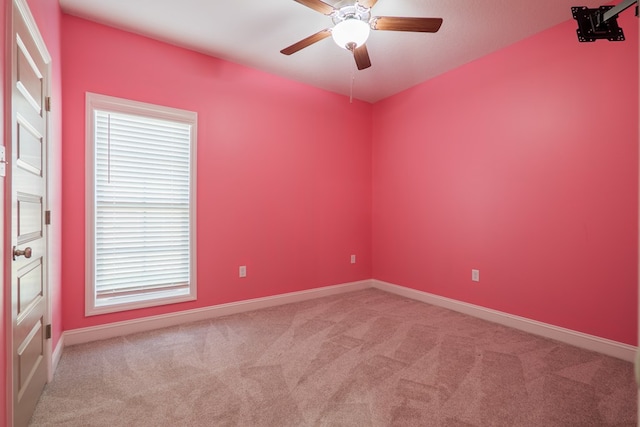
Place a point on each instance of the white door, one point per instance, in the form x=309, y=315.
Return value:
x=27, y=175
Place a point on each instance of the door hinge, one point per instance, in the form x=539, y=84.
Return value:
x=47, y=103
x=47, y=332
x=47, y=217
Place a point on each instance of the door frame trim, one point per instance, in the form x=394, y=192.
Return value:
x=21, y=7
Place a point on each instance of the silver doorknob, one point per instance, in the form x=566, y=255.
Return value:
x=19, y=252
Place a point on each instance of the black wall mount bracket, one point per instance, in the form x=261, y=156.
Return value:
x=589, y=28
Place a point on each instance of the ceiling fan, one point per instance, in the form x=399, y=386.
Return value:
x=352, y=23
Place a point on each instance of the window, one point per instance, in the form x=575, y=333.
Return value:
x=140, y=205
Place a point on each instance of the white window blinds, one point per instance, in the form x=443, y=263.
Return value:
x=142, y=208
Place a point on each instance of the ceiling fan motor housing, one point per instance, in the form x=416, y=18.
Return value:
x=355, y=11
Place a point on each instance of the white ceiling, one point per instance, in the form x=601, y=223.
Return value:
x=252, y=33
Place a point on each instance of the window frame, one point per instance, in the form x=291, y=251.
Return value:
x=125, y=106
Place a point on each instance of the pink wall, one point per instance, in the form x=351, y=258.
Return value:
x=284, y=170
x=524, y=165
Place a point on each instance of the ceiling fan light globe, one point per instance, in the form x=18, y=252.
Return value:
x=350, y=31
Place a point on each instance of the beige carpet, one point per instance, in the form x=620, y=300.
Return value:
x=366, y=358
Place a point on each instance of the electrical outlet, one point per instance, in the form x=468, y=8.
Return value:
x=353, y=259
x=475, y=275
x=242, y=271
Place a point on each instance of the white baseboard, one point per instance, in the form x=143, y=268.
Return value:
x=111, y=330
x=578, y=339
x=568, y=336
x=57, y=354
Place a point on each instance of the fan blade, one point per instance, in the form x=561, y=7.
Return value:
x=318, y=6
x=396, y=23
x=367, y=3
x=320, y=35
x=361, y=56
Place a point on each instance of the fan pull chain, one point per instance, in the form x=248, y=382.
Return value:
x=353, y=78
